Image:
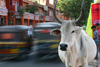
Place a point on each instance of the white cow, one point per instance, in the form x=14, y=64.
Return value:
x=76, y=48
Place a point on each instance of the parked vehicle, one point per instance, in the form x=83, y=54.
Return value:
x=15, y=42
x=46, y=43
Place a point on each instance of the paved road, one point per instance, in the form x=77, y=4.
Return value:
x=33, y=61
x=36, y=61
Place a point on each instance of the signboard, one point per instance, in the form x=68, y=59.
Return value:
x=45, y=8
x=51, y=19
x=95, y=8
x=31, y=17
x=18, y=16
x=41, y=18
x=47, y=18
x=37, y=17
x=26, y=17
x=1, y=13
x=3, y=10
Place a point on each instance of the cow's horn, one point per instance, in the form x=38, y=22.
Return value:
x=54, y=13
x=81, y=15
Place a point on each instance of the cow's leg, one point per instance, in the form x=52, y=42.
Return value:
x=85, y=64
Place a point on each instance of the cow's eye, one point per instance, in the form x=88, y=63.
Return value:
x=73, y=31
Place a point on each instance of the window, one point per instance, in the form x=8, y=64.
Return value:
x=47, y=13
x=41, y=13
x=50, y=13
x=16, y=8
x=2, y=3
x=44, y=14
x=36, y=13
x=11, y=2
x=51, y=2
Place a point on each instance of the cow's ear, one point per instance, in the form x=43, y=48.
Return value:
x=55, y=32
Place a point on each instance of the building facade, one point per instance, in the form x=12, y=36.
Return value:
x=3, y=13
x=48, y=6
x=14, y=16
x=10, y=11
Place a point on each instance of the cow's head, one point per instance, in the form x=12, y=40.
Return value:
x=68, y=30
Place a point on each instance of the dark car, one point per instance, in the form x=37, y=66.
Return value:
x=46, y=43
x=15, y=42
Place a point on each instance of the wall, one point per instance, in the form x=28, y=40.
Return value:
x=30, y=2
x=50, y=3
x=24, y=4
x=12, y=5
x=21, y=2
x=8, y=4
x=50, y=12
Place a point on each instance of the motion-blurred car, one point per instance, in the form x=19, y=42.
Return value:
x=15, y=42
x=46, y=43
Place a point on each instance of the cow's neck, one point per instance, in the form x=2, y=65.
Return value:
x=77, y=44
x=75, y=50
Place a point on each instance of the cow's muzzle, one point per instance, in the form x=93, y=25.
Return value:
x=63, y=47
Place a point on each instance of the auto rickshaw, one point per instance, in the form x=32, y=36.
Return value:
x=15, y=42
x=46, y=44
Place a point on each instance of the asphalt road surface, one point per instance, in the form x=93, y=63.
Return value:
x=33, y=61
x=38, y=61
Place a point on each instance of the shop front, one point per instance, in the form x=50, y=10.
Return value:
x=27, y=19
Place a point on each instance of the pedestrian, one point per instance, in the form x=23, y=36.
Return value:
x=95, y=37
x=30, y=32
x=30, y=39
x=84, y=27
x=97, y=27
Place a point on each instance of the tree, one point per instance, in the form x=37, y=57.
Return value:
x=21, y=11
x=72, y=8
x=32, y=8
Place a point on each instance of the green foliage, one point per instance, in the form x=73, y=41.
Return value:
x=21, y=11
x=72, y=8
x=32, y=8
